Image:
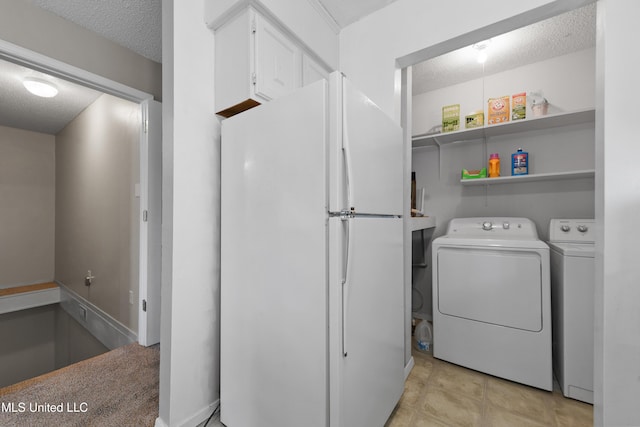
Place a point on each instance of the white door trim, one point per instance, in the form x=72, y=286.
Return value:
x=45, y=64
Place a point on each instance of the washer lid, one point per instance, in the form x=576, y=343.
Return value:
x=483, y=241
x=586, y=250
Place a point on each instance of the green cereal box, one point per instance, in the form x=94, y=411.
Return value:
x=519, y=106
x=450, y=118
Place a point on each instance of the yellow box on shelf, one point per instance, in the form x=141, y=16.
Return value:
x=474, y=120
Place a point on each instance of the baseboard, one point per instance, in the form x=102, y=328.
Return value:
x=105, y=328
x=408, y=367
x=198, y=419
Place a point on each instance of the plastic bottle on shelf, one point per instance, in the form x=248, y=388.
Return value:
x=494, y=165
x=520, y=163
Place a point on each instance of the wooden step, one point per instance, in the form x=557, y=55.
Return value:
x=28, y=296
x=27, y=288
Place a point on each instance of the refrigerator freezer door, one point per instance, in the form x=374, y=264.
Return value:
x=274, y=334
x=370, y=376
x=373, y=155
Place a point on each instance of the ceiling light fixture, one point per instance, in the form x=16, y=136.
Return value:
x=481, y=47
x=40, y=87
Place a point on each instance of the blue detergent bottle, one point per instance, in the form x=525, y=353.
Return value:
x=520, y=163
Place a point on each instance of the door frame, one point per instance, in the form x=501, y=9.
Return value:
x=39, y=62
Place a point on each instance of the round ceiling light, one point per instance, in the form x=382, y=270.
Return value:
x=481, y=48
x=40, y=87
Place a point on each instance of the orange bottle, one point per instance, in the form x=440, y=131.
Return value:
x=494, y=165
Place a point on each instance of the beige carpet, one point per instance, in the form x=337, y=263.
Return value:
x=117, y=388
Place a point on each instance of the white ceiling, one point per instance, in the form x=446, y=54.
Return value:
x=136, y=24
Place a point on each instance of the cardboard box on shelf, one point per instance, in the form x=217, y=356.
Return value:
x=498, y=111
x=450, y=118
x=519, y=106
x=474, y=120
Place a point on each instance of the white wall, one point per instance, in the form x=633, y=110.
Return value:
x=617, y=373
x=189, y=354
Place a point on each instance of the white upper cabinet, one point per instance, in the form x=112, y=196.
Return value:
x=257, y=62
x=277, y=61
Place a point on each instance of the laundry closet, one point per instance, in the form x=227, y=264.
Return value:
x=552, y=61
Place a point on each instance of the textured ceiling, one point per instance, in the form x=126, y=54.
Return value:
x=20, y=109
x=134, y=24
x=560, y=35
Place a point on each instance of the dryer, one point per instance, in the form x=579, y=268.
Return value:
x=492, y=299
x=572, y=243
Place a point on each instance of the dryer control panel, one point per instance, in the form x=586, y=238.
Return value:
x=493, y=227
x=572, y=230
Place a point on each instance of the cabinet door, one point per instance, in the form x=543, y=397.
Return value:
x=312, y=71
x=277, y=62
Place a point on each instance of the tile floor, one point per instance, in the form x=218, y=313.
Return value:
x=441, y=394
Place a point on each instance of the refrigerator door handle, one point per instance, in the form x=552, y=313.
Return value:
x=346, y=151
x=346, y=281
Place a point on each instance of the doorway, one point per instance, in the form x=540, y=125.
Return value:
x=133, y=244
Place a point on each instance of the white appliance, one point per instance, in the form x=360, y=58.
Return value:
x=491, y=299
x=312, y=298
x=572, y=244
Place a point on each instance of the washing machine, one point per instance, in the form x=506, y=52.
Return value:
x=572, y=291
x=492, y=299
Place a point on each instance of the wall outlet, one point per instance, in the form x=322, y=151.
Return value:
x=82, y=311
x=131, y=297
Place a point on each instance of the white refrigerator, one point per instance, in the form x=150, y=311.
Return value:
x=311, y=262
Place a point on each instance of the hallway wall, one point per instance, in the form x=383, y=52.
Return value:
x=27, y=192
x=97, y=226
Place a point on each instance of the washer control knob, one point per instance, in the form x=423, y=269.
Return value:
x=505, y=225
x=487, y=225
x=565, y=228
x=583, y=228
